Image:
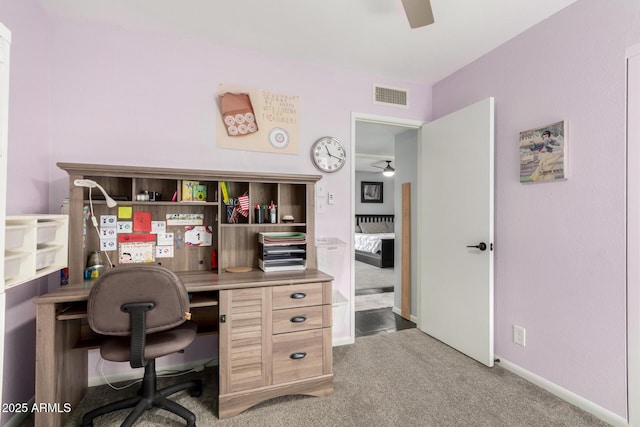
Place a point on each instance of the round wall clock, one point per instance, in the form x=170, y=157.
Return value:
x=328, y=154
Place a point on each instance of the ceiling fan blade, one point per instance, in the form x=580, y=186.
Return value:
x=418, y=12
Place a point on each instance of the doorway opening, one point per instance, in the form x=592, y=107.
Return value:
x=376, y=289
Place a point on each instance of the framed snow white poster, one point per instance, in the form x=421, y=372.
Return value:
x=543, y=153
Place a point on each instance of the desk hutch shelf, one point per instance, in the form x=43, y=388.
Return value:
x=236, y=244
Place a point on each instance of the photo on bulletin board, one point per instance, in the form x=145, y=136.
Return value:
x=543, y=153
x=252, y=119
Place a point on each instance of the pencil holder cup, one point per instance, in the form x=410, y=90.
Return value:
x=258, y=214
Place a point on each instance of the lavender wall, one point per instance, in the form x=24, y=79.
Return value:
x=133, y=98
x=560, y=247
x=27, y=180
x=28, y=156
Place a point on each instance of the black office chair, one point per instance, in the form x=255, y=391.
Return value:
x=142, y=311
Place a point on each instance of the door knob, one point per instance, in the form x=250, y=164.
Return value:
x=482, y=246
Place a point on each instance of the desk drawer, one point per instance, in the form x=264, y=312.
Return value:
x=297, y=355
x=297, y=319
x=290, y=296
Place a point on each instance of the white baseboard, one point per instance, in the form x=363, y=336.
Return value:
x=413, y=318
x=136, y=374
x=343, y=341
x=19, y=418
x=576, y=400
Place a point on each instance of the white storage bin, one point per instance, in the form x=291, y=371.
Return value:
x=45, y=257
x=12, y=265
x=14, y=236
x=46, y=232
x=36, y=245
x=339, y=308
x=330, y=255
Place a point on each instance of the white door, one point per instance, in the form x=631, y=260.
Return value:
x=455, y=281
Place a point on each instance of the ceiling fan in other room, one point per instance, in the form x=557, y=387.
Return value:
x=387, y=170
x=418, y=12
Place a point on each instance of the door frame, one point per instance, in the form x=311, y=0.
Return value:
x=371, y=118
x=633, y=252
x=5, y=36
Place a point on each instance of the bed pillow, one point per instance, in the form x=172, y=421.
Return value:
x=390, y=227
x=373, y=227
x=358, y=229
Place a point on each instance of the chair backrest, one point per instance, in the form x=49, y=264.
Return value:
x=137, y=283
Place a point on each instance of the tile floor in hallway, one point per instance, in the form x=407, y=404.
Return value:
x=379, y=321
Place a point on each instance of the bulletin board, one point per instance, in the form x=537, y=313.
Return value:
x=276, y=125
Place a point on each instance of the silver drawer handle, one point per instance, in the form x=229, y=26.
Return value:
x=298, y=319
x=298, y=355
x=298, y=295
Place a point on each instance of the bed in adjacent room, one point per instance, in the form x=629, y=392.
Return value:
x=374, y=239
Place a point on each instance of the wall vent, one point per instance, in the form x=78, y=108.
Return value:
x=390, y=96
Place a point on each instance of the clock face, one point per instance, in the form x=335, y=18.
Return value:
x=328, y=154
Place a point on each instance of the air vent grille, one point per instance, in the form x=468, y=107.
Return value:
x=390, y=96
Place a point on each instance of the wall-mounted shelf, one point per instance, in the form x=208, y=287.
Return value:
x=35, y=246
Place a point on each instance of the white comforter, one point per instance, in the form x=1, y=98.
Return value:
x=371, y=242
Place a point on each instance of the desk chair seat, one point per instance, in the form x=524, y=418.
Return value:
x=142, y=309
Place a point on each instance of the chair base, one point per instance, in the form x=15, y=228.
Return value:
x=149, y=397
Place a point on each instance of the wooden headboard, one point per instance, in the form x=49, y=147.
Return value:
x=373, y=218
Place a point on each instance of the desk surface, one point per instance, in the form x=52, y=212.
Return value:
x=201, y=281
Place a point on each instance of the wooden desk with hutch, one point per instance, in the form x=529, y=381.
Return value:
x=263, y=353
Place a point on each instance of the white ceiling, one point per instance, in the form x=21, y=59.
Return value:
x=371, y=36
x=375, y=145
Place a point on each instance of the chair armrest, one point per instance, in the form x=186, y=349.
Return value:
x=137, y=317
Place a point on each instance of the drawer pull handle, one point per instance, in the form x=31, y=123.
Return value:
x=298, y=355
x=298, y=319
x=298, y=295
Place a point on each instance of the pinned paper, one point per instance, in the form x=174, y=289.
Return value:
x=142, y=221
x=165, y=239
x=164, y=251
x=185, y=219
x=125, y=227
x=108, y=220
x=137, y=237
x=158, y=227
x=108, y=233
x=108, y=244
x=136, y=252
x=125, y=212
x=198, y=235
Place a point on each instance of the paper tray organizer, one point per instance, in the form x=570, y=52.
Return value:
x=282, y=251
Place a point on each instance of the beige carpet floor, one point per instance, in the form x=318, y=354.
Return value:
x=404, y=378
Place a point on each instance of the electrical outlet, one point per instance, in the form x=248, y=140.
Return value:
x=331, y=198
x=519, y=335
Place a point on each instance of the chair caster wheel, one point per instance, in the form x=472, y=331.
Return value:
x=195, y=393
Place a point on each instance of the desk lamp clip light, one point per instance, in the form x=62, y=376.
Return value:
x=90, y=184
